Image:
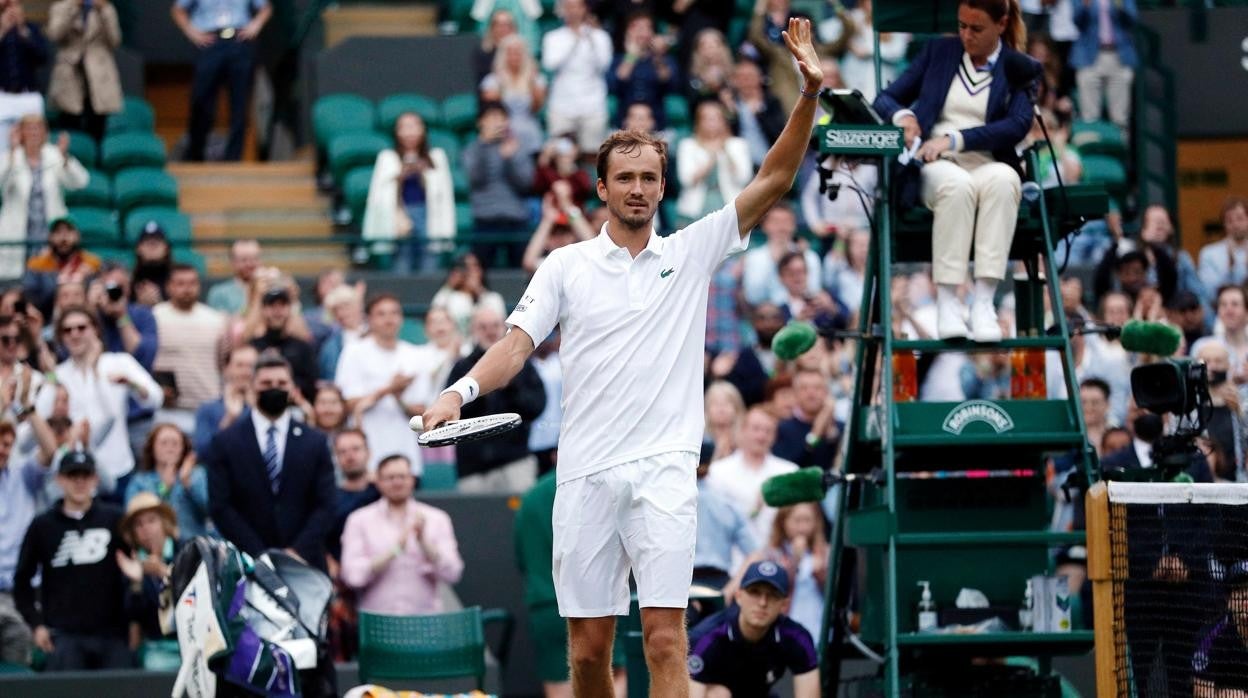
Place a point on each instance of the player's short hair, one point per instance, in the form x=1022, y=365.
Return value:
x=1232, y=203
x=788, y=258
x=628, y=142
x=1230, y=288
x=181, y=268
x=381, y=298
x=351, y=432
x=1095, y=384
x=271, y=358
x=393, y=458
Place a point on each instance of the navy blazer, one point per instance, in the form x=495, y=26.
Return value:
x=243, y=506
x=925, y=84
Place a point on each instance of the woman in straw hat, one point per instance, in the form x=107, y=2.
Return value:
x=150, y=528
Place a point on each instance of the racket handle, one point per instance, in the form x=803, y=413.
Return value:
x=416, y=424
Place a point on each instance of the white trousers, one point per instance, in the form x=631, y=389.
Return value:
x=1105, y=78
x=979, y=204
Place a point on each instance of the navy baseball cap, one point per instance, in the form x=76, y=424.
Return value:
x=766, y=572
x=77, y=462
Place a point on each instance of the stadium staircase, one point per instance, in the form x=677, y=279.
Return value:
x=277, y=202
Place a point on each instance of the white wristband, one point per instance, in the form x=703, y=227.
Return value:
x=467, y=387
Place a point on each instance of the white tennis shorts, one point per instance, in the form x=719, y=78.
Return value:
x=640, y=515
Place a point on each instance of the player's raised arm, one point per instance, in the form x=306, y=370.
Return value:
x=780, y=166
x=495, y=369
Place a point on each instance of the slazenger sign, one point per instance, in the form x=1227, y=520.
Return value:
x=846, y=138
x=977, y=411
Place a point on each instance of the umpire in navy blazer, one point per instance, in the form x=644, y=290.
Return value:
x=925, y=84
x=969, y=99
x=270, y=478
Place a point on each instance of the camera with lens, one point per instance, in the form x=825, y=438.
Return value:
x=1178, y=387
x=114, y=291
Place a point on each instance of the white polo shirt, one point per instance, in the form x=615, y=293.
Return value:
x=633, y=335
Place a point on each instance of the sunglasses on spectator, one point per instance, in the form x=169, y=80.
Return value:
x=9, y=340
x=6, y=320
x=70, y=329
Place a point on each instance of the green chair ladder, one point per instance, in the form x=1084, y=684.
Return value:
x=953, y=493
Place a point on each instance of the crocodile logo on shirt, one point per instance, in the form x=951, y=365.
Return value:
x=667, y=272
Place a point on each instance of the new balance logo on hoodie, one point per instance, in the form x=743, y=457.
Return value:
x=85, y=548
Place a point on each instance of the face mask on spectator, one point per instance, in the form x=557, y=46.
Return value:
x=273, y=401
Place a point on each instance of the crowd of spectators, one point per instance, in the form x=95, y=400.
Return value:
x=143, y=411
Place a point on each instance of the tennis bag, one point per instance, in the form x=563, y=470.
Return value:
x=253, y=623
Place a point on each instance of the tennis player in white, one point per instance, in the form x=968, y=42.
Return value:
x=631, y=307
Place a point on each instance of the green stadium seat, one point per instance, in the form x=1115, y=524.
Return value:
x=82, y=146
x=677, y=108
x=738, y=27
x=447, y=141
x=355, y=191
x=97, y=193
x=463, y=222
x=413, y=330
x=177, y=225
x=341, y=113
x=460, y=11
x=186, y=255
x=459, y=112
x=144, y=186
x=348, y=151
x=613, y=110
x=117, y=254
x=136, y=116
x=389, y=109
x=124, y=150
x=439, y=477
x=1102, y=169
x=460, y=179
x=1098, y=138
x=437, y=646
x=97, y=225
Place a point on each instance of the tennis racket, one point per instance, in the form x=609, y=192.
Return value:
x=462, y=430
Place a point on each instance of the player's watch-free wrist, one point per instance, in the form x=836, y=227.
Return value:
x=467, y=388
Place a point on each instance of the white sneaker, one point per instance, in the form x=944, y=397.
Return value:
x=949, y=320
x=984, y=325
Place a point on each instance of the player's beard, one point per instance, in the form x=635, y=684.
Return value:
x=635, y=222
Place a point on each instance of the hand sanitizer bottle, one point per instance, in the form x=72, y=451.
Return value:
x=1024, y=611
x=927, y=609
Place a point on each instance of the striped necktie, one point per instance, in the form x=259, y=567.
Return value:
x=271, y=464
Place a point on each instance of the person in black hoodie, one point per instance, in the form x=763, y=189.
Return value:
x=501, y=464
x=77, y=613
x=276, y=308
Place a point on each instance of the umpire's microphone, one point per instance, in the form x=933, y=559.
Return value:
x=808, y=485
x=805, y=485
x=1155, y=338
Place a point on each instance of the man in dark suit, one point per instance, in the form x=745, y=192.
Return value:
x=270, y=478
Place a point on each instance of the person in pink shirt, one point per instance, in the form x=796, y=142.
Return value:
x=396, y=550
